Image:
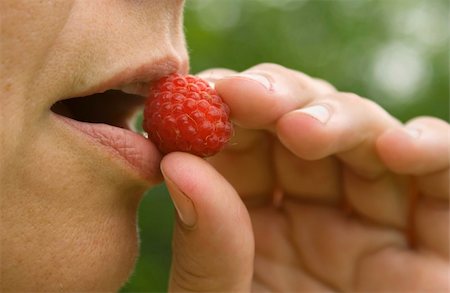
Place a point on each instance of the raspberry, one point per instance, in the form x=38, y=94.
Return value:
x=183, y=113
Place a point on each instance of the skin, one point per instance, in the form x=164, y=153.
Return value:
x=356, y=203
x=68, y=214
x=293, y=204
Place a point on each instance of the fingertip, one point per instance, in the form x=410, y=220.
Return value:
x=190, y=173
x=421, y=147
x=398, y=149
x=174, y=167
x=204, y=185
x=247, y=95
x=304, y=135
x=212, y=225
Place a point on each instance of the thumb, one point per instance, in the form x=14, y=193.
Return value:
x=213, y=245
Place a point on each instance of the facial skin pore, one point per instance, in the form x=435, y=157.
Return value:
x=68, y=207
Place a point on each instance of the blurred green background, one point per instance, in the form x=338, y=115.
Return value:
x=395, y=52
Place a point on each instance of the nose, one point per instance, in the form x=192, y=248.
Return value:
x=165, y=18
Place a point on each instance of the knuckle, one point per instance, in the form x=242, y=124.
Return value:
x=374, y=114
x=215, y=73
x=364, y=104
x=267, y=66
x=324, y=85
x=429, y=121
x=353, y=98
x=184, y=278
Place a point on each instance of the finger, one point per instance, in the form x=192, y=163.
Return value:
x=324, y=86
x=213, y=244
x=256, y=97
x=324, y=235
x=339, y=124
x=420, y=148
x=249, y=153
x=262, y=94
x=214, y=74
x=383, y=201
x=316, y=85
x=432, y=227
x=347, y=126
x=312, y=181
x=395, y=269
x=248, y=148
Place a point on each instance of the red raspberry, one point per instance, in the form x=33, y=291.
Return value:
x=183, y=113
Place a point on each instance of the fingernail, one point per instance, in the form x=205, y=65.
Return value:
x=413, y=132
x=318, y=112
x=259, y=78
x=183, y=204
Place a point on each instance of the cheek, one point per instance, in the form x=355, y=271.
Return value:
x=29, y=29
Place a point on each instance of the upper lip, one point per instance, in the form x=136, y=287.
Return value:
x=102, y=105
x=137, y=80
x=132, y=84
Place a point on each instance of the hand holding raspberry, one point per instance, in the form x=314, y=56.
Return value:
x=183, y=113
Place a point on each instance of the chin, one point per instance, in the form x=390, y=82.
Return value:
x=83, y=240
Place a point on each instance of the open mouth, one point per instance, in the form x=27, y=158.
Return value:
x=113, y=107
x=103, y=117
x=109, y=120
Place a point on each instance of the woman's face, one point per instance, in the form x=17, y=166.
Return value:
x=70, y=188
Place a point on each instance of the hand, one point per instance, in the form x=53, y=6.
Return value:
x=318, y=191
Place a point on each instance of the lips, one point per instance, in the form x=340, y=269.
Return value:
x=105, y=116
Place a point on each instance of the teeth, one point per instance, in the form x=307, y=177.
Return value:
x=129, y=89
x=137, y=88
x=134, y=119
x=145, y=134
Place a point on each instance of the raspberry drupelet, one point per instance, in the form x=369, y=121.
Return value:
x=183, y=113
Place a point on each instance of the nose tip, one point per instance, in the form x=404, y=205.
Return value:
x=184, y=66
x=179, y=60
x=178, y=55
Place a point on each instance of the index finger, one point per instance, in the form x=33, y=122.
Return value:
x=263, y=93
x=213, y=74
x=257, y=98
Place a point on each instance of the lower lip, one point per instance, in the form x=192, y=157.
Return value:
x=138, y=152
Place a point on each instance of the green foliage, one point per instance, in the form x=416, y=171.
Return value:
x=394, y=52
x=155, y=229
